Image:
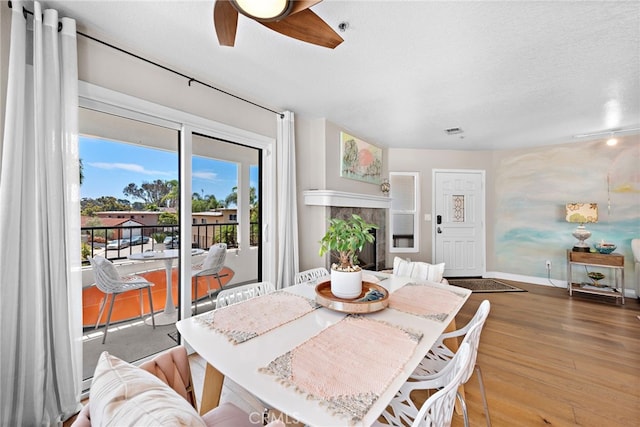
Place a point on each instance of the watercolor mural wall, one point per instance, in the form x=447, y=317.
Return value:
x=532, y=188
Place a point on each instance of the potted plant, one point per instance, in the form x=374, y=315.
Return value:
x=347, y=237
x=159, y=239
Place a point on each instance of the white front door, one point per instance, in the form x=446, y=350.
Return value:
x=459, y=223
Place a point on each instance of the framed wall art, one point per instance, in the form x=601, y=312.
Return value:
x=360, y=160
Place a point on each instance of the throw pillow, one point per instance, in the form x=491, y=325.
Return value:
x=426, y=271
x=402, y=267
x=123, y=394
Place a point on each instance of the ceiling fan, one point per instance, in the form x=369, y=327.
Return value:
x=288, y=17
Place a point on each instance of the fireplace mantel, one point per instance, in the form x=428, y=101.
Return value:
x=344, y=199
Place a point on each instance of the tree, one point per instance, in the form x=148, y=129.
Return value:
x=85, y=251
x=201, y=203
x=232, y=199
x=167, y=218
x=152, y=193
x=89, y=207
x=172, y=198
x=253, y=196
x=254, y=223
x=213, y=203
x=96, y=222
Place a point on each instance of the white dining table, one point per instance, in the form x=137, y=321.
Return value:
x=169, y=315
x=242, y=362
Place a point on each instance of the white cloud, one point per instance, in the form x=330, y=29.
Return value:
x=129, y=167
x=210, y=176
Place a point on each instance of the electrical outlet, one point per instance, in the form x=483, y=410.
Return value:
x=548, y=264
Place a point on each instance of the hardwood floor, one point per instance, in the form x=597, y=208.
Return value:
x=548, y=360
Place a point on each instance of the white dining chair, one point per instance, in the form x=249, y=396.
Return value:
x=311, y=276
x=210, y=267
x=439, y=355
x=242, y=293
x=109, y=281
x=437, y=410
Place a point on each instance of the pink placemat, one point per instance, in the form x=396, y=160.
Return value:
x=348, y=365
x=254, y=317
x=426, y=301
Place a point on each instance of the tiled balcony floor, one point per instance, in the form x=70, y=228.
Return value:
x=131, y=341
x=129, y=338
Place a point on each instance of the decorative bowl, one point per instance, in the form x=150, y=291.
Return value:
x=605, y=248
x=596, y=276
x=362, y=305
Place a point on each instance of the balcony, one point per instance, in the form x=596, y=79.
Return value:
x=129, y=337
x=95, y=239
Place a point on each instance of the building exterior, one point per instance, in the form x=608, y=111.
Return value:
x=142, y=217
x=208, y=227
x=116, y=228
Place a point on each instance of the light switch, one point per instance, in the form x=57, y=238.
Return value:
x=427, y=217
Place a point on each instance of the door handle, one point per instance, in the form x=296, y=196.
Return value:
x=438, y=219
x=439, y=230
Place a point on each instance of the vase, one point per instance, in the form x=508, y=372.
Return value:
x=346, y=284
x=159, y=247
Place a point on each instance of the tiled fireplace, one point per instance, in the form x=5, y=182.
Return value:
x=371, y=208
x=373, y=256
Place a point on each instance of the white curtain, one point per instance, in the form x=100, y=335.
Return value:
x=40, y=293
x=287, y=202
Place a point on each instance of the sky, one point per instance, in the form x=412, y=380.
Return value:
x=110, y=166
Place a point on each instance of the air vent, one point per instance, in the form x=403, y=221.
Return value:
x=453, y=131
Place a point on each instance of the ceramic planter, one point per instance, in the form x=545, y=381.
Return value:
x=346, y=284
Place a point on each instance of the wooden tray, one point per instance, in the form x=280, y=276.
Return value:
x=325, y=298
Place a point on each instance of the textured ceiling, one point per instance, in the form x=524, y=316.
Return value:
x=510, y=74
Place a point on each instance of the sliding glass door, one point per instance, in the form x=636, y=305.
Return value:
x=129, y=183
x=225, y=208
x=157, y=180
x=131, y=195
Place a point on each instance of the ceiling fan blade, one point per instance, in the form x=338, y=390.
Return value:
x=308, y=27
x=300, y=5
x=225, y=20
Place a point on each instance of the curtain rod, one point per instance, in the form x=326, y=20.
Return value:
x=190, y=79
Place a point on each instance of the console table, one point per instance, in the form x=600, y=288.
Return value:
x=613, y=261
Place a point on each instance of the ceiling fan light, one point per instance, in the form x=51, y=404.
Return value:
x=264, y=10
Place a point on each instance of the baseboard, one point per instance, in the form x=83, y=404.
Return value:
x=628, y=293
x=527, y=279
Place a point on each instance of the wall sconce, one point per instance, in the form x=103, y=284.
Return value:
x=581, y=213
x=385, y=187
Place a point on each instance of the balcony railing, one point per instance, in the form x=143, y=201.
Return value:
x=134, y=239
